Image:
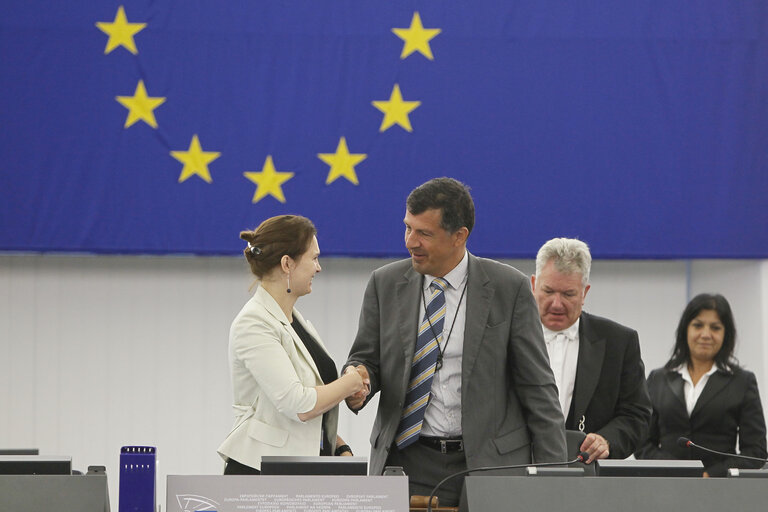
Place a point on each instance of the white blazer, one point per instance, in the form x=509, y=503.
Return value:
x=273, y=379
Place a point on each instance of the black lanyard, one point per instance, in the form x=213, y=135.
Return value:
x=440, y=351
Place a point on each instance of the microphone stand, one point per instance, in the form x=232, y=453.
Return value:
x=687, y=443
x=581, y=457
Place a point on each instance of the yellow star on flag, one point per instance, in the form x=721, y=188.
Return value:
x=416, y=38
x=120, y=32
x=140, y=106
x=396, y=110
x=342, y=163
x=195, y=161
x=268, y=181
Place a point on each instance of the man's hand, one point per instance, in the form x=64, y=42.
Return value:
x=356, y=401
x=596, y=446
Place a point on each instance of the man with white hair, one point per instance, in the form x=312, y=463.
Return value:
x=598, y=370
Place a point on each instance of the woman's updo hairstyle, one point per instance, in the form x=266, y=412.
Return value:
x=274, y=238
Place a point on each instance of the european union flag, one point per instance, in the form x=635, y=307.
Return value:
x=167, y=127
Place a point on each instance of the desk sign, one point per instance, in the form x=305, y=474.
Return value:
x=259, y=493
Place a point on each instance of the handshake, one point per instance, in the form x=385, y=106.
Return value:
x=362, y=387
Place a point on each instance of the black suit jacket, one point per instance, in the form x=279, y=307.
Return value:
x=728, y=406
x=610, y=392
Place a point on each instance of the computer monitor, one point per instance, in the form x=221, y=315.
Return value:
x=313, y=465
x=35, y=465
x=664, y=468
x=748, y=473
x=19, y=451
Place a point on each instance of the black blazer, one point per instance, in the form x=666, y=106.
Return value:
x=728, y=406
x=610, y=391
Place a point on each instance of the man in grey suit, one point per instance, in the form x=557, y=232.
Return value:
x=596, y=362
x=454, y=345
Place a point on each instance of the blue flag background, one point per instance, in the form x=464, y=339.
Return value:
x=640, y=127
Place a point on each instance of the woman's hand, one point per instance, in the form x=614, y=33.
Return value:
x=342, y=448
x=357, y=382
x=356, y=400
x=329, y=395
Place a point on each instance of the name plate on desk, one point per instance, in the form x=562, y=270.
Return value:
x=260, y=493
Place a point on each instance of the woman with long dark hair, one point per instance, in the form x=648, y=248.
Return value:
x=703, y=394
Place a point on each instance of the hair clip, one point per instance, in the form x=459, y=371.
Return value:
x=255, y=251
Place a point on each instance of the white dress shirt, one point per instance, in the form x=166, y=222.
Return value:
x=691, y=392
x=442, y=417
x=563, y=349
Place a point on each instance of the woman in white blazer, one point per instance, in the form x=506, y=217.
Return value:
x=286, y=390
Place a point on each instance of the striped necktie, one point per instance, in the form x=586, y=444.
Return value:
x=423, y=368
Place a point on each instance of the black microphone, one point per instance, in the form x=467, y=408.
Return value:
x=581, y=457
x=684, y=442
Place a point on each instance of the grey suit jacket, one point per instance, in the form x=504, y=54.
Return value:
x=610, y=394
x=510, y=410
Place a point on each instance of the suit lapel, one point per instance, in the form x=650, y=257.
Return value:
x=590, y=362
x=408, y=291
x=269, y=303
x=478, y=300
x=675, y=384
x=717, y=381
